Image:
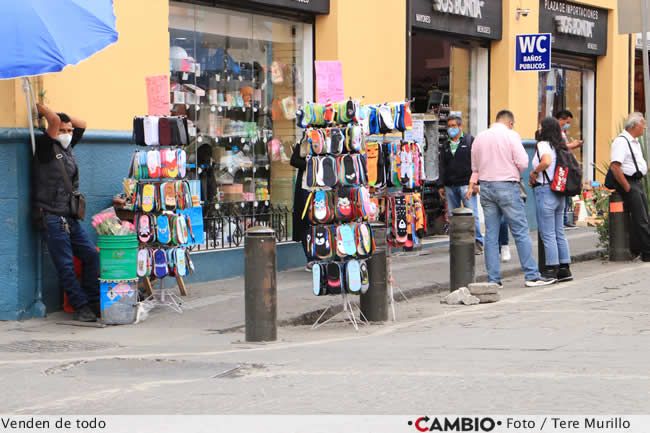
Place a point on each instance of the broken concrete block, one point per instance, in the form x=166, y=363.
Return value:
x=489, y=298
x=460, y=296
x=483, y=289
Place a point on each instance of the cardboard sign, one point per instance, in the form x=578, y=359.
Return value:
x=158, y=95
x=329, y=82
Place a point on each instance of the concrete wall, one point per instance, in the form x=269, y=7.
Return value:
x=369, y=38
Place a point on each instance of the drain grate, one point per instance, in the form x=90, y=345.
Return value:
x=37, y=346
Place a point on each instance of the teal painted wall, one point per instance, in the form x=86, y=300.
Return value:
x=104, y=159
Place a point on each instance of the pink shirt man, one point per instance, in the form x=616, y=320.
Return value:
x=498, y=155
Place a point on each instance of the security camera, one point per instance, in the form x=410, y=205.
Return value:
x=521, y=12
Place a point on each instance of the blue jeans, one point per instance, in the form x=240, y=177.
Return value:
x=455, y=195
x=568, y=211
x=62, y=246
x=550, y=223
x=502, y=199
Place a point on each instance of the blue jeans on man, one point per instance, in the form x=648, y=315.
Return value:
x=455, y=196
x=550, y=224
x=502, y=199
x=65, y=239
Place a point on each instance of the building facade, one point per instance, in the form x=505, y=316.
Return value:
x=252, y=64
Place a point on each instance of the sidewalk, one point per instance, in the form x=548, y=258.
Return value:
x=218, y=306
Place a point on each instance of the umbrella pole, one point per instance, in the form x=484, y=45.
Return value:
x=38, y=308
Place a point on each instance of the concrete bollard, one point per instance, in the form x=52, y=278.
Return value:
x=461, y=248
x=260, y=286
x=374, y=303
x=619, y=239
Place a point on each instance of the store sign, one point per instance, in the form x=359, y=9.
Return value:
x=575, y=27
x=308, y=6
x=533, y=52
x=477, y=18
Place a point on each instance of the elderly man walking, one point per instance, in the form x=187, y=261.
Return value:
x=629, y=167
x=498, y=160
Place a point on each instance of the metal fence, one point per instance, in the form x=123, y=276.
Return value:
x=225, y=228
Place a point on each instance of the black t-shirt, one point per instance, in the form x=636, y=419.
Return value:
x=45, y=145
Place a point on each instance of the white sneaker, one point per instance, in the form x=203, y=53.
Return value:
x=505, y=253
x=541, y=281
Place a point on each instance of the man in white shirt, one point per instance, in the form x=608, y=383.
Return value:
x=629, y=167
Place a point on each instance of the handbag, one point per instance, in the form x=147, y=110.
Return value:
x=610, y=180
x=77, y=199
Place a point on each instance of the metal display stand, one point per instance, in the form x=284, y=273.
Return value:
x=347, y=311
x=163, y=297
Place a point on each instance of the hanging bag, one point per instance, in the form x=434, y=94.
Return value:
x=77, y=199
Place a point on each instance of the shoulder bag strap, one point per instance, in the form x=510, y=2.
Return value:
x=66, y=178
x=629, y=145
x=544, y=173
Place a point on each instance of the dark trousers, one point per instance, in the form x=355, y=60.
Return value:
x=65, y=242
x=636, y=203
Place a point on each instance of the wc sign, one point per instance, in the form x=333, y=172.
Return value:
x=533, y=52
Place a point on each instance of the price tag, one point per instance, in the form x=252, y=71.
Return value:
x=198, y=107
x=243, y=109
x=255, y=204
x=217, y=206
x=243, y=140
x=213, y=108
x=220, y=109
x=243, y=205
x=241, y=78
x=199, y=139
x=255, y=110
x=217, y=77
x=185, y=76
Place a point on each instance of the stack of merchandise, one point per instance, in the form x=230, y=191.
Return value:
x=396, y=171
x=340, y=238
x=168, y=215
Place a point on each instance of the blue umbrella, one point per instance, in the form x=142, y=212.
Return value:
x=41, y=36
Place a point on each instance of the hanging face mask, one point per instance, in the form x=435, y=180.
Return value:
x=566, y=126
x=64, y=139
x=453, y=132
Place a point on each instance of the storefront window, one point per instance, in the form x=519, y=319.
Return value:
x=562, y=89
x=239, y=77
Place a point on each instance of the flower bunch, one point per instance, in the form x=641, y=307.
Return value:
x=106, y=222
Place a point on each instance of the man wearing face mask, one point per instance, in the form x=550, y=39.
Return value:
x=63, y=234
x=565, y=118
x=455, y=171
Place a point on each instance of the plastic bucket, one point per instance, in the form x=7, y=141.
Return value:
x=118, y=257
x=118, y=301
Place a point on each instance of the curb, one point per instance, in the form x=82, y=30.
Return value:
x=310, y=317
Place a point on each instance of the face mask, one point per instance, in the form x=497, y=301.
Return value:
x=64, y=139
x=566, y=126
x=453, y=132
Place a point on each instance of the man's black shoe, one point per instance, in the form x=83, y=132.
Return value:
x=96, y=308
x=564, y=273
x=550, y=272
x=645, y=257
x=84, y=314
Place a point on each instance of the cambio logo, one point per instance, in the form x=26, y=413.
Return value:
x=467, y=8
x=426, y=424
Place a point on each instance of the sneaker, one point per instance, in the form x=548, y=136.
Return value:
x=570, y=226
x=564, y=273
x=550, y=272
x=478, y=248
x=309, y=267
x=541, y=281
x=84, y=314
x=505, y=253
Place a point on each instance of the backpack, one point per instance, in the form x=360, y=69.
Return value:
x=567, y=178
